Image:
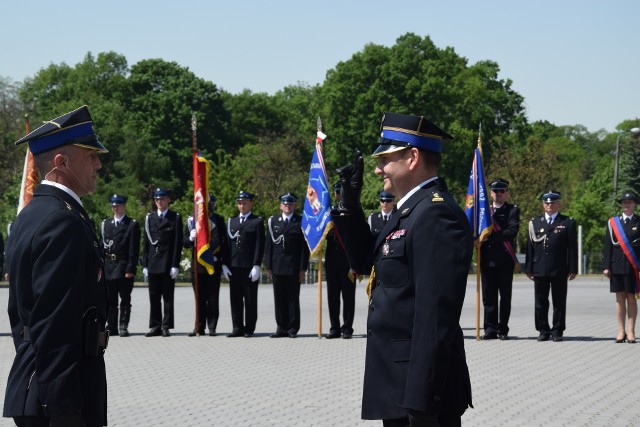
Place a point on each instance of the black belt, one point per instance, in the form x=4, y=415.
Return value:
x=103, y=338
x=114, y=257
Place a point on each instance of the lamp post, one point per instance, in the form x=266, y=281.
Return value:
x=634, y=131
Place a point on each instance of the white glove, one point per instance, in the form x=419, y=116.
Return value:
x=254, y=275
x=145, y=272
x=192, y=235
x=174, y=272
x=215, y=258
x=226, y=272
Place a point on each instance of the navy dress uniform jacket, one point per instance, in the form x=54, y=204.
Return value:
x=415, y=350
x=55, y=277
x=167, y=233
x=614, y=258
x=121, y=246
x=246, y=241
x=376, y=222
x=494, y=253
x=290, y=255
x=555, y=255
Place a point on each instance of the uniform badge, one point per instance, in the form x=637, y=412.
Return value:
x=404, y=211
x=68, y=205
x=385, y=248
x=542, y=230
x=437, y=198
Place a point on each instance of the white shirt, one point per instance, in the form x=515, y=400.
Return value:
x=63, y=188
x=410, y=193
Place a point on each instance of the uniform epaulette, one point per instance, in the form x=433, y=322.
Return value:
x=436, y=197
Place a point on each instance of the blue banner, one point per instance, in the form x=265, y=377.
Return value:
x=477, y=205
x=316, y=216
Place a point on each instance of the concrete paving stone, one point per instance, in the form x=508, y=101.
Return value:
x=587, y=380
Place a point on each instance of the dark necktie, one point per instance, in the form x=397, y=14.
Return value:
x=117, y=223
x=385, y=218
x=241, y=219
x=286, y=222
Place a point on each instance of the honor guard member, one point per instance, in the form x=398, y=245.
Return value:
x=121, y=246
x=57, y=297
x=341, y=282
x=208, y=284
x=415, y=373
x=161, y=250
x=498, y=262
x=286, y=258
x=620, y=264
x=2, y=256
x=552, y=260
x=377, y=220
x=246, y=248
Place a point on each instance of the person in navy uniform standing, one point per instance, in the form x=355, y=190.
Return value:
x=341, y=282
x=161, y=250
x=286, y=258
x=377, y=220
x=552, y=260
x=57, y=296
x=415, y=372
x=498, y=261
x=619, y=268
x=208, y=284
x=121, y=249
x=246, y=248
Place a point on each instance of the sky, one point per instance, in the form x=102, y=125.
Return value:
x=573, y=61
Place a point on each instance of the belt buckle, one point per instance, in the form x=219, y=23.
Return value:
x=113, y=257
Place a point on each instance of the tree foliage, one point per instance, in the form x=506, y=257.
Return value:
x=263, y=143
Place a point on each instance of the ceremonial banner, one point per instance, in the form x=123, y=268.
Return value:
x=316, y=215
x=477, y=205
x=204, y=254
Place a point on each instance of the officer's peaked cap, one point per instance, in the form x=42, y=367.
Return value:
x=551, y=196
x=245, y=195
x=500, y=184
x=385, y=195
x=160, y=193
x=73, y=128
x=118, y=199
x=399, y=131
x=288, y=198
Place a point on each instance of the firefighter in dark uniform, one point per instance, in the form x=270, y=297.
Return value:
x=57, y=296
x=246, y=248
x=121, y=249
x=286, y=258
x=498, y=261
x=416, y=372
x=161, y=250
x=552, y=260
x=377, y=220
x=341, y=282
x=208, y=284
x=618, y=264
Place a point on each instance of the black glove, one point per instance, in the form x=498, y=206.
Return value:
x=351, y=180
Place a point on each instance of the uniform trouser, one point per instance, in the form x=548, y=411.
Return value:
x=444, y=420
x=161, y=288
x=208, y=299
x=286, y=297
x=120, y=287
x=243, y=294
x=558, y=286
x=338, y=283
x=496, y=281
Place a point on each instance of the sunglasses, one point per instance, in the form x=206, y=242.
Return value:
x=386, y=201
x=499, y=191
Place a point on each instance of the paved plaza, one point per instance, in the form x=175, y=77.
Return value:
x=587, y=380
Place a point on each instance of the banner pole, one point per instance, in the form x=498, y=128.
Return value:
x=478, y=292
x=320, y=295
x=194, y=265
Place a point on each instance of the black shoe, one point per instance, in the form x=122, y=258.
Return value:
x=153, y=332
x=347, y=335
x=194, y=333
x=489, y=336
x=293, y=335
x=332, y=335
x=248, y=334
x=123, y=332
x=503, y=337
x=213, y=334
x=166, y=333
x=543, y=337
x=558, y=338
x=278, y=334
x=235, y=333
